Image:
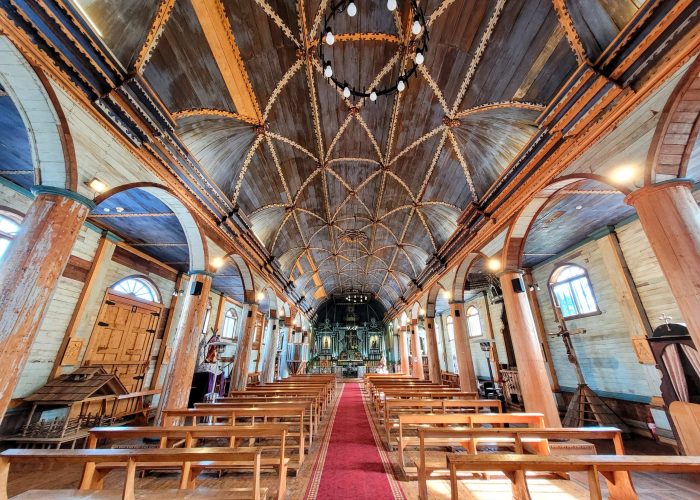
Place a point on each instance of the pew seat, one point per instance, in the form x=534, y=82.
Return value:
x=89, y=488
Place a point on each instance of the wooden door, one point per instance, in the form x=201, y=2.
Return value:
x=122, y=339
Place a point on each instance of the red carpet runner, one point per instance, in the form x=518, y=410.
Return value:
x=352, y=462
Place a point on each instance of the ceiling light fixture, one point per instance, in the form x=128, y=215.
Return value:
x=623, y=174
x=493, y=264
x=97, y=185
x=419, y=43
x=217, y=262
x=260, y=296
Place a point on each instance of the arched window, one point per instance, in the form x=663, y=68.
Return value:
x=9, y=225
x=139, y=288
x=474, y=322
x=572, y=292
x=230, y=326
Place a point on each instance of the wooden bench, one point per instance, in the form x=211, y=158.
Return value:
x=408, y=423
x=188, y=437
x=292, y=416
x=395, y=407
x=520, y=438
x=419, y=394
x=130, y=459
x=515, y=466
x=313, y=408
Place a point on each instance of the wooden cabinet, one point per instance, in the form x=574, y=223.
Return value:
x=122, y=339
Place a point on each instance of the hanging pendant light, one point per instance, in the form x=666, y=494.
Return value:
x=373, y=96
x=391, y=5
x=352, y=9
x=328, y=70
x=401, y=86
x=346, y=92
x=420, y=58
x=416, y=27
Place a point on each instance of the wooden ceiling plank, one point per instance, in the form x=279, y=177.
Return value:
x=211, y=15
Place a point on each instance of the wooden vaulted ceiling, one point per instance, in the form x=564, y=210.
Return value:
x=305, y=165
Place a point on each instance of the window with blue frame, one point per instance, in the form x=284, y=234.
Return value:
x=572, y=292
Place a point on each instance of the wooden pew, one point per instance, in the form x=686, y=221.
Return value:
x=518, y=437
x=395, y=407
x=515, y=466
x=412, y=423
x=189, y=436
x=131, y=458
x=309, y=405
x=288, y=391
x=296, y=413
x=420, y=394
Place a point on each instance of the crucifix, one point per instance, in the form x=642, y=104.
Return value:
x=585, y=407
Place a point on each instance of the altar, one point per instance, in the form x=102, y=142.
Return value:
x=349, y=350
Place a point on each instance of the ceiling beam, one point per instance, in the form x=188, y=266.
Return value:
x=123, y=215
x=217, y=30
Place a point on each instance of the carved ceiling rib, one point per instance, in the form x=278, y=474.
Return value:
x=212, y=16
x=154, y=33
x=572, y=35
x=185, y=113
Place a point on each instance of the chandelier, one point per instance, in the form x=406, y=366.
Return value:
x=419, y=30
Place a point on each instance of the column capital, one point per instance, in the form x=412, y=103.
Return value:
x=643, y=192
x=56, y=191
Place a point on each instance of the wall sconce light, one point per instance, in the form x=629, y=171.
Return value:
x=493, y=264
x=217, y=262
x=97, y=185
x=260, y=296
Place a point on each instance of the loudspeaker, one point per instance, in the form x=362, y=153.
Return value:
x=518, y=285
x=196, y=288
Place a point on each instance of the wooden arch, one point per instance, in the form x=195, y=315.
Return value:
x=246, y=276
x=53, y=154
x=196, y=243
x=522, y=223
x=431, y=299
x=676, y=131
x=457, y=291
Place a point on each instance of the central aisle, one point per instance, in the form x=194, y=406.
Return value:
x=352, y=462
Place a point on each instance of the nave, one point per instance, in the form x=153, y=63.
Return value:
x=362, y=248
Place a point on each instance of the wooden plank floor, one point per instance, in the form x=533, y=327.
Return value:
x=649, y=486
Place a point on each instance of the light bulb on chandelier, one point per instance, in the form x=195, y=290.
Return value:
x=346, y=92
x=330, y=39
x=401, y=85
x=416, y=27
x=420, y=58
x=352, y=9
x=373, y=96
x=328, y=70
x=391, y=5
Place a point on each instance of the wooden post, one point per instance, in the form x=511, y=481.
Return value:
x=532, y=371
x=403, y=350
x=268, y=375
x=30, y=273
x=465, y=363
x=417, y=360
x=433, y=356
x=239, y=374
x=541, y=332
x=670, y=218
x=167, y=332
x=185, y=346
x=92, y=291
x=492, y=336
x=626, y=292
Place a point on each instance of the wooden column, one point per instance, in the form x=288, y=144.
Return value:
x=541, y=332
x=417, y=354
x=268, y=374
x=185, y=346
x=433, y=356
x=91, y=293
x=29, y=275
x=670, y=218
x=532, y=370
x=465, y=363
x=239, y=374
x=403, y=351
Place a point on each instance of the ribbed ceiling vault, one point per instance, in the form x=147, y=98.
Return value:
x=349, y=195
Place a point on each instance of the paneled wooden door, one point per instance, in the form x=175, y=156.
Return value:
x=122, y=338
